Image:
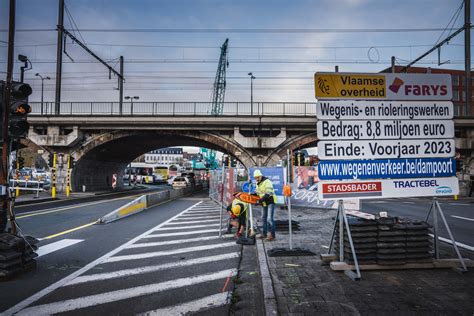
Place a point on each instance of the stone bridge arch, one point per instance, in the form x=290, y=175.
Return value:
x=294, y=143
x=109, y=153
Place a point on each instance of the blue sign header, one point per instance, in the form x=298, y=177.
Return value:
x=387, y=168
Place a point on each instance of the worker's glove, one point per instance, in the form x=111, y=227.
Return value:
x=233, y=216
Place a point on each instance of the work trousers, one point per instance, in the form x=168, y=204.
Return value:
x=266, y=221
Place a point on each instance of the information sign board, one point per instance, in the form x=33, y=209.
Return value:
x=386, y=168
x=375, y=149
x=388, y=188
x=385, y=129
x=374, y=110
x=382, y=86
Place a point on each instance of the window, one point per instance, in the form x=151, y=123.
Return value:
x=455, y=80
x=455, y=95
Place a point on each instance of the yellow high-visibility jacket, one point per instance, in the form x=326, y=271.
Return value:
x=265, y=189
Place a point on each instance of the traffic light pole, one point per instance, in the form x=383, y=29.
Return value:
x=4, y=197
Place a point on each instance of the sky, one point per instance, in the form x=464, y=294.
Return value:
x=184, y=69
x=181, y=66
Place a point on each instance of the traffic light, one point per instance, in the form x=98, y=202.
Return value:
x=225, y=161
x=51, y=160
x=233, y=162
x=21, y=163
x=19, y=110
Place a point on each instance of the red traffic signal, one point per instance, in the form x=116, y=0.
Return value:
x=19, y=109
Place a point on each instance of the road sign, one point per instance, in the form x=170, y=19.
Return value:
x=386, y=168
x=388, y=188
x=385, y=129
x=375, y=149
x=382, y=86
x=372, y=110
x=114, y=180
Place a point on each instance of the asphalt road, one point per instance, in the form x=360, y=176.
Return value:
x=458, y=214
x=167, y=258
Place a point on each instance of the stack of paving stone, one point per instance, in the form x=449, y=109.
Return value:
x=403, y=241
x=16, y=254
x=283, y=225
x=364, y=236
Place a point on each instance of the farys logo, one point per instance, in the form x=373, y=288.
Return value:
x=444, y=190
x=396, y=84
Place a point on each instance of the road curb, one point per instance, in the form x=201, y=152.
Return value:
x=269, y=298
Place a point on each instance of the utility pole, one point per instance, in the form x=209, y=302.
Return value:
x=393, y=64
x=121, y=86
x=467, y=53
x=59, y=57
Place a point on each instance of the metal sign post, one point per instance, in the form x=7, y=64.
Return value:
x=436, y=208
x=222, y=202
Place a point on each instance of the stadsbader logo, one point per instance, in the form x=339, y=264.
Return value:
x=444, y=190
x=396, y=84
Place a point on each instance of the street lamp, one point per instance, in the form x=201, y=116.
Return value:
x=42, y=88
x=131, y=102
x=251, y=91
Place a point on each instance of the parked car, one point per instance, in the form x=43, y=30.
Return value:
x=180, y=182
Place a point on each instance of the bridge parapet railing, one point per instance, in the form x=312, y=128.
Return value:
x=174, y=109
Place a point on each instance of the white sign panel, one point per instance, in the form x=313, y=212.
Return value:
x=374, y=149
x=385, y=129
x=374, y=110
x=373, y=189
x=382, y=86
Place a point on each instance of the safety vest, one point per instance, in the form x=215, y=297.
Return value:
x=245, y=205
x=266, y=187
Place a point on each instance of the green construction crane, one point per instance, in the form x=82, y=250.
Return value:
x=217, y=102
x=219, y=83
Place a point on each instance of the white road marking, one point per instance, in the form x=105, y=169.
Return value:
x=461, y=245
x=203, y=212
x=465, y=218
x=54, y=286
x=193, y=222
x=408, y=202
x=190, y=216
x=375, y=202
x=55, y=246
x=204, y=303
x=463, y=204
x=186, y=227
x=171, y=242
x=108, y=297
x=167, y=252
x=148, y=269
x=183, y=233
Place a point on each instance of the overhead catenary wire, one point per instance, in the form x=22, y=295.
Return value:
x=243, y=30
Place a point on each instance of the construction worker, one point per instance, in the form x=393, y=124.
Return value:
x=267, y=199
x=238, y=210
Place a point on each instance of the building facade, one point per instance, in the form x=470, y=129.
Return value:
x=165, y=156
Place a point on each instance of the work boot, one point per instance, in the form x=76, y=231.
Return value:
x=270, y=238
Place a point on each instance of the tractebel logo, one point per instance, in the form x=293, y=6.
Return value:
x=396, y=84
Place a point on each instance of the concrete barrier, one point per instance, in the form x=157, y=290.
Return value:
x=146, y=201
x=158, y=197
x=133, y=207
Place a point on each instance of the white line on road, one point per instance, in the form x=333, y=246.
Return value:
x=54, y=286
x=55, y=246
x=204, y=303
x=189, y=216
x=171, y=242
x=148, y=269
x=186, y=227
x=408, y=202
x=119, y=295
x=193, y=222
x=167, y=252
x=465, y=218
x=183, y=233
x=202, y=212
x=470, y=248
x=463, y=204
